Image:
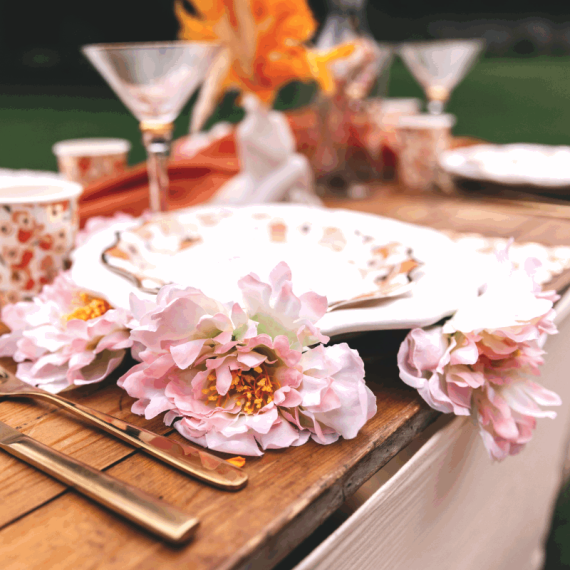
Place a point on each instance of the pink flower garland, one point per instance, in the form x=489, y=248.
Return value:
x=481, y=362
x=250, y=376
x=238, y=378
x=241, y=378
x=65, y=336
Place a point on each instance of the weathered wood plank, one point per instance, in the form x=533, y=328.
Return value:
x=23, y=488
x=457, y=213
x=290, y=492
x=548, y=232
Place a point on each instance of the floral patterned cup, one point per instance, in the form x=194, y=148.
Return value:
x=384, y=115
x=420, y=141
x=390, y=109
x=38, y=223
x=88, y=160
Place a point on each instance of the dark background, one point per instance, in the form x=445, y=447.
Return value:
x=39, y=41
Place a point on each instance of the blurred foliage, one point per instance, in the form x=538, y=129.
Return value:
x=558, y=545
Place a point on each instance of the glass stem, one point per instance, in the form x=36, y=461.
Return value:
x=436, y=107
x=156, y=140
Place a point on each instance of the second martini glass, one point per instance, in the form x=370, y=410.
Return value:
x=439, y=66
x=154, y=81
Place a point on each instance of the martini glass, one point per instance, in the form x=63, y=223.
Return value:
x=154, y=81
x=439, y=66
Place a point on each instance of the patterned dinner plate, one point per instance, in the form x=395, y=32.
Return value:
x=376, y=273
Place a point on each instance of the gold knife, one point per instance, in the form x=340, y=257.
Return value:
x=155, y=515
x=186, y=457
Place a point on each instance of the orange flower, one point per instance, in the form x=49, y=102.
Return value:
x=263, y=45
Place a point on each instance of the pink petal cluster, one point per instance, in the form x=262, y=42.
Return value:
x=55, y=351
x=241, y=378
x=483, y=360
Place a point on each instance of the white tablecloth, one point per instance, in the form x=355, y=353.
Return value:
x=449, y=507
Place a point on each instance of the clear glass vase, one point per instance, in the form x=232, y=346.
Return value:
x=348, y=154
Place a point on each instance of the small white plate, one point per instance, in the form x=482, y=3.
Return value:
x=338, y=253
x=512, y=164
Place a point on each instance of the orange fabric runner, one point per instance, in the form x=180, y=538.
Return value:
x=192, y=181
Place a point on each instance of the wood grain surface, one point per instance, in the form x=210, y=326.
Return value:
x=44, y=525
x=289, y=491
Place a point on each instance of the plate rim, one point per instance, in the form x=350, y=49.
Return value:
x=507, y=180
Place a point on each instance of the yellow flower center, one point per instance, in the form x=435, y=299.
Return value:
x=252, y=389
x=89, y=308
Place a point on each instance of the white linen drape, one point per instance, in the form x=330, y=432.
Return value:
x=450, y=508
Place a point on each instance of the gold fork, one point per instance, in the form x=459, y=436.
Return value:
x=186, y=457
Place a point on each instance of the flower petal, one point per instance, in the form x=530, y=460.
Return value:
x=281, y=435
x=186, y=353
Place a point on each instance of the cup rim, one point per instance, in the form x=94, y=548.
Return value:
x=79, y=147
x=427, y=121
x=398, y=104
x=63, y=190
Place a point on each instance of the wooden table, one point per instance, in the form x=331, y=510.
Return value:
x=290, y=492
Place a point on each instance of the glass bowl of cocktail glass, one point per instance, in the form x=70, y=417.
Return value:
x=439, y=66
x=154, y=81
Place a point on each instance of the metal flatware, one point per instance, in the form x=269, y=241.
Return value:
x=186, y=457
x=155, y=515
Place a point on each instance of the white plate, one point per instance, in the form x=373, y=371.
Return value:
x=223, y=249
x=512, y=164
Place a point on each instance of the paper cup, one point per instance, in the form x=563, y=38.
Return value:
x=400, y=106
x=38, y=225
x=384, y=116
x=87, y=160
x=420, y=140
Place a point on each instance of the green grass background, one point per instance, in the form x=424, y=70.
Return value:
x=501, y=100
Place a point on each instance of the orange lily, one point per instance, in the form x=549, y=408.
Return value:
x=263, y=47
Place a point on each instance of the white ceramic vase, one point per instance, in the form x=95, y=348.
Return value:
x=271, y=169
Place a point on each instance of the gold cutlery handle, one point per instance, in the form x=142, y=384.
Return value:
x=158, y=517
x=187, y=458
